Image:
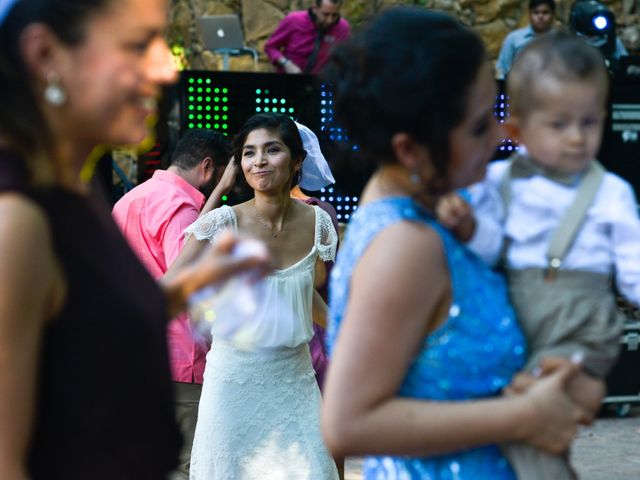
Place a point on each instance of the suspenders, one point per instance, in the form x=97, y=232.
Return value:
x=572, y=220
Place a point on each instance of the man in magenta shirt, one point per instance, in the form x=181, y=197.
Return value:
x=302, y=40
x=153, y=217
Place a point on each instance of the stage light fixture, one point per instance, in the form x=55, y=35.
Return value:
x=592, y=20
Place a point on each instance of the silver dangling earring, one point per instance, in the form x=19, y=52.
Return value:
x=54, y=92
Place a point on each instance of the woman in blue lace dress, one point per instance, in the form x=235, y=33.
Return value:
x=422, y=334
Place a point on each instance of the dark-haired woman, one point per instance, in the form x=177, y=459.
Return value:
x=408, y=302
x=259, y=410
x=85, y=391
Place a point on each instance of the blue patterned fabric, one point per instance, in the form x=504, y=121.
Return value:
x=473, y=354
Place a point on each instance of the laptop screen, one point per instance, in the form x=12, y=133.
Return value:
x=221, y=32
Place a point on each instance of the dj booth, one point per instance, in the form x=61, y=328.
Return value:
x=222, y=101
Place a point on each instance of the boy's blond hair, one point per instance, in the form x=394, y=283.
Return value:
x=559, y=55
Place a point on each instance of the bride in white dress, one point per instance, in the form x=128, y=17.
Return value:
x=259, y=410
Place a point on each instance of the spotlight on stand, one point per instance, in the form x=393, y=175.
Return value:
x=596, y=23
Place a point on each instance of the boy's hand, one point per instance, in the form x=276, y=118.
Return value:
x=456, y=214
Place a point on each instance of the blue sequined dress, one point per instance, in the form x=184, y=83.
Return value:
x=472, y=355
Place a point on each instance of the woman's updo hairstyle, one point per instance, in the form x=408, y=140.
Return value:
x=410, y=70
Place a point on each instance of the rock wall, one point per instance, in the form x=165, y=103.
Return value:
x=493, y=19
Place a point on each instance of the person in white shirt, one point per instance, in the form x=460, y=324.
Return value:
x=556, y=221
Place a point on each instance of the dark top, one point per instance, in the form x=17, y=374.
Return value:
x=104, y=400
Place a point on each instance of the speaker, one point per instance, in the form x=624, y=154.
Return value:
x=620, y=151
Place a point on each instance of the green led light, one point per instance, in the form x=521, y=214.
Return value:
x=208, y=125
x=199, y=117
x=274, y=100
x=216, y=90
x=207, y=99
x=290, y=110
x=191, y=107
x=208, y=80
x=191, y=115
x=199, y=125
x=199, y=80
x=266, y=92
x=207, y=108
x=224, y=90
x=224, y=117
x=216, y=126
x=258, y=91
x=224, y=99
x=258, y=100
x=190, y=89
x=216, y=108
x=225, y=108
x=258, y=109
x=224, y=198
x=282, y=110
x=224, y=126
x=207, y=117
x=191, y=125
x=191, y=80
x=208, y=90
x=191, y=98
x=199, y=107
x=199, y=90
x=216, y=117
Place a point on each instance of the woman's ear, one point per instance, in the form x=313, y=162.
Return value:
x=409, y=153
x=41, y=49
x=298, y=165
x=512, y=128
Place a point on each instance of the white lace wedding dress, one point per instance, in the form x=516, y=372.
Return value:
x=259, y=412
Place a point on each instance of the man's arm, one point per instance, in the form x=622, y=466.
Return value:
x=173, y=236
x=278, y=40
x=505, y=58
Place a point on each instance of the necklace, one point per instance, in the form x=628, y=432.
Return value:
x=263, y=222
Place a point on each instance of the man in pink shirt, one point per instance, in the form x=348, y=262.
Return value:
x=153, y=217
x=302, y=40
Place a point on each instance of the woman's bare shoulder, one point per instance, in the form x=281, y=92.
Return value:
x=397, y=266
x=21, y=215
x=410, y=240
x=27, y=256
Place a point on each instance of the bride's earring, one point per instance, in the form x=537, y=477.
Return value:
x=54, y=92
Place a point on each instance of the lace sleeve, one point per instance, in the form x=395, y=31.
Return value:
x=211, y=225
x=326, y=236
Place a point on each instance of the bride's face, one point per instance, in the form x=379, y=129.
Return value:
x=266, y=161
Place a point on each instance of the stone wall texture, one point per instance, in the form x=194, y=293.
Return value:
x=492, y=19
